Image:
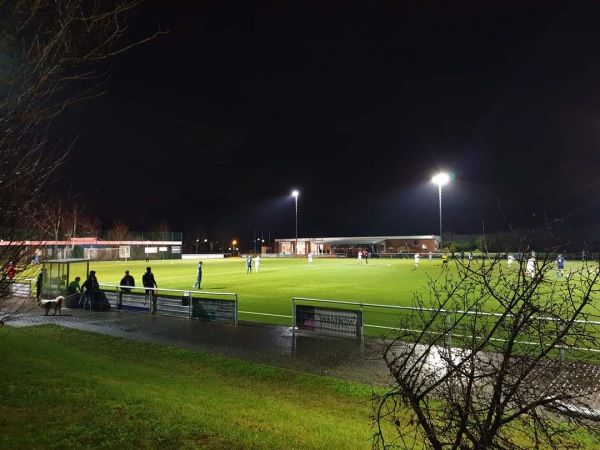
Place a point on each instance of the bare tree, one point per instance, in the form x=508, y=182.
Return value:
x=54, y=55
x=495, y=358
x=161, y=230
x=195, y=235
x=49, y=221
x=119, y=231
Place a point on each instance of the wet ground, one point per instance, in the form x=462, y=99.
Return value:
x=344, y=359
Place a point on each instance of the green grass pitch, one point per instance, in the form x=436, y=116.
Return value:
x=266, y=296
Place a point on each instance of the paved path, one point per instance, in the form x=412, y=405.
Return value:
x=345, y=359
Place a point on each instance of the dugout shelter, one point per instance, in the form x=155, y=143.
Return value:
x=58, y=273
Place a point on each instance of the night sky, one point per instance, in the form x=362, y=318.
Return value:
x=356, y=105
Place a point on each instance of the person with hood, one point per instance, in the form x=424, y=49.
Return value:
x=149, y=282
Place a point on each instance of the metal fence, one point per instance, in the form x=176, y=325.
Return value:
x=372, y=318
x=213, y=306
x=386, y=319
x=22, y=287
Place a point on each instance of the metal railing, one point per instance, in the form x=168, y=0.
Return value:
x=387, y=318
x=203, y=305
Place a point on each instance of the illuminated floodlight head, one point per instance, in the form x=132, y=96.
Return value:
x=441, y=178
x=295, y=194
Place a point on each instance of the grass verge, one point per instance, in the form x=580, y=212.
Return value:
x=64, y=388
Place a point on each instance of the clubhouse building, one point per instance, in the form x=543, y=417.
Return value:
x=350, y=246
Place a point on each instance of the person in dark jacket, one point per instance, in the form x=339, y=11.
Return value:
x=148, y=281
x=126, y=281
x=89, y=289
x=38, y=284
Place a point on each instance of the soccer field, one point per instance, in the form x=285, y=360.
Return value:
x=266, y=296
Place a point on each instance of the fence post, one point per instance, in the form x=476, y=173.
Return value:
x=362, y=328
x=153, y=303
x=449, y=333
x=293, y=317
x=561, y=344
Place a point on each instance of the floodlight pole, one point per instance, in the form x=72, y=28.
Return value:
x=440, y=200
x=440, y=179
x=295, y=194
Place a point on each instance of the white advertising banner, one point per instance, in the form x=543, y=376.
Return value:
x=329, y=321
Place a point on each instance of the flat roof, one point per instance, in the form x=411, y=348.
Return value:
x=359, y=240
x=66, y=260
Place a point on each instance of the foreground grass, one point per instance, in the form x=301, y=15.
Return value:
x=64, y=388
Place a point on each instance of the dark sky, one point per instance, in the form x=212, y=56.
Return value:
x=356, y=105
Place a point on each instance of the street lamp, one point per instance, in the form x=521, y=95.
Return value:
x=234, y=244
x=296, y=194
x=440, y=179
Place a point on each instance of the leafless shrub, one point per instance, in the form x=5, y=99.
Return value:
x=495, y=358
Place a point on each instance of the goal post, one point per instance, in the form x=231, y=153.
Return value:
x=101, y=254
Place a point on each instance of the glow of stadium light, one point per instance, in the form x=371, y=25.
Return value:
x=295, y=194
x=440, y=179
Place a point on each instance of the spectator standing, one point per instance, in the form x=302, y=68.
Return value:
x=127, y=280
x=417, y=259
x=89, y=289
x=248, y=264
x=11, y=271
x=149, y=282
x=39, y=283
x=256, y=263
x=198, y=277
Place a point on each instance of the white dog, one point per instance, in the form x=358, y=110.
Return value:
x=55, y=304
